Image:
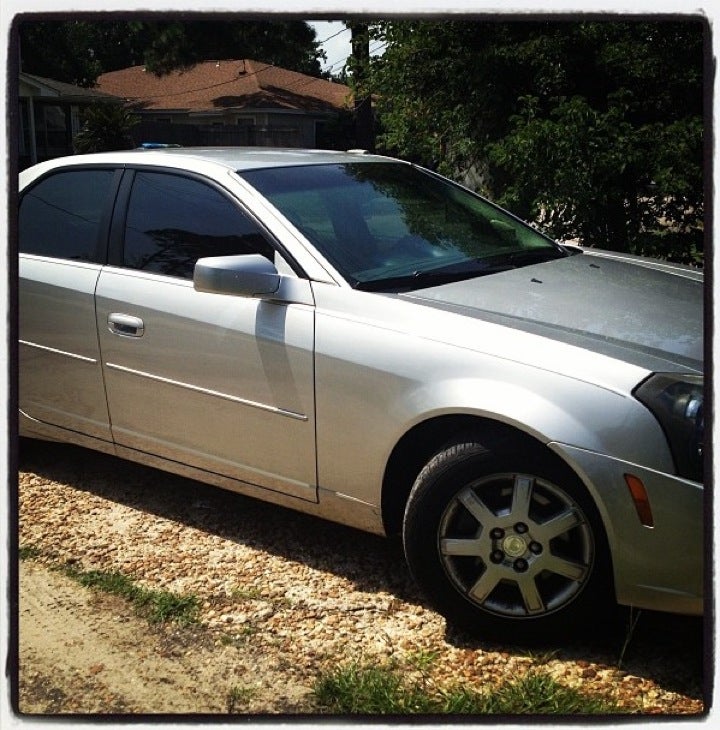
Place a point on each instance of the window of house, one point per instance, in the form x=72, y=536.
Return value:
x=75, y=124
x=60, y=216
x=24, y=136
x=173, y=221
x=52, y=130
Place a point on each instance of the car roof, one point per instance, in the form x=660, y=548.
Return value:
x=245, y=158
x=233, y=158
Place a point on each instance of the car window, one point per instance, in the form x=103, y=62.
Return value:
x=388, y=225
x=173, y=221
x=60, y=216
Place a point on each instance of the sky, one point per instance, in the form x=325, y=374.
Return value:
x=337, y=47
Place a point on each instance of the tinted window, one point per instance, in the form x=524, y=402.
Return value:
x=173, y=221
x=60, y=216
x=387, y=225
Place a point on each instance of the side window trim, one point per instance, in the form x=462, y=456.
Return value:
x=117, y=227
x=122, y=204
x=107, y=216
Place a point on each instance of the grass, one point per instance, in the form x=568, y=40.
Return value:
x=156, y=606
x=238, y=698
x=239, y=637
x=539, y=694
x=29, y=552
x=357, y=689
x=385, y=690
x=246, y=594
x=633, y=618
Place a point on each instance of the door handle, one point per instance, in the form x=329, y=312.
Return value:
x=125, y=325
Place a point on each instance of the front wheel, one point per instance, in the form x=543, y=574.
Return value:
x=506, y=546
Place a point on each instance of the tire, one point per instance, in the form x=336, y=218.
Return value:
x=507, y=546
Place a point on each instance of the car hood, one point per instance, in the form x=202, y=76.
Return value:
x=644, y=312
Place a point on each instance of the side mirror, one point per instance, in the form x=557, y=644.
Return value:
x=250, y=275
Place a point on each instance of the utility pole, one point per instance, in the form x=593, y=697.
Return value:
x=360, y=43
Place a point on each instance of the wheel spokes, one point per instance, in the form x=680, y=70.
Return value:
x=531, y=596
x=521, y=497
x=516, y=545
x=461, y=547
x=476, y=508
x=566, y=568
x=558, y=525
x=484, y=586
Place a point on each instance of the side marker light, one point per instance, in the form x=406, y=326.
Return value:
x=641, y=500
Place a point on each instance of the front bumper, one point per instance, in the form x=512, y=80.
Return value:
x=660, y=567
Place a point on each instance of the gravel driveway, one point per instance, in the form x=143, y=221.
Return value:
x=284, y=596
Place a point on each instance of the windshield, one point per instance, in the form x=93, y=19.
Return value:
x=389, y=226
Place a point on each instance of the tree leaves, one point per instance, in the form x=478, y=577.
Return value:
x=592, y=129
x=79, y=51
x=106, y=126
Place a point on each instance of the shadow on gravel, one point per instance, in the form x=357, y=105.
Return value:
x=666, y=648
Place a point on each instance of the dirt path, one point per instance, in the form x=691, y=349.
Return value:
x=282, y=598
x=84, y=652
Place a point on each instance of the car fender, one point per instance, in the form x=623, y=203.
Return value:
x=368, y=402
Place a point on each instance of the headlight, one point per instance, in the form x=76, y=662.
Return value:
x=677, y=403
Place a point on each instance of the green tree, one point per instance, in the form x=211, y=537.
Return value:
x=288, y=43
x=593, y=129
x=66, y=51
x=106, y=126
x=78, y=51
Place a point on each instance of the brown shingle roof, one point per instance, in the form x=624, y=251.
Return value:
x=215, y=85
x=68, y=91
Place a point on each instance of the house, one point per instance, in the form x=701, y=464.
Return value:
x=50, y=117
x=232, y=102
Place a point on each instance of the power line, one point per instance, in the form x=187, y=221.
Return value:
x=211, y=86
x=381, y=45
x=330, y=37
x=255, y=73
x=298, y=84
x=330, y=66
x=373, y=50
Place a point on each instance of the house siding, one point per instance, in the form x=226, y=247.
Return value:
x=232, y=102
x=260, y=130
x=49, y=114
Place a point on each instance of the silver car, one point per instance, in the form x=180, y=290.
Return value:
x=363, y=340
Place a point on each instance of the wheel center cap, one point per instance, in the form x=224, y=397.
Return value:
x=514, y=546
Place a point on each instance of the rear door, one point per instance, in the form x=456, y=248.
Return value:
x=62, y=231
x=221, y=383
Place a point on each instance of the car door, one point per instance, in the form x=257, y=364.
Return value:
x=62, y=234
x=219, y=382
